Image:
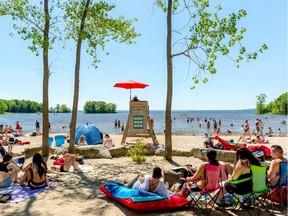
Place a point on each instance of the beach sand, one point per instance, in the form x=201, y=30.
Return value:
x=78, y=193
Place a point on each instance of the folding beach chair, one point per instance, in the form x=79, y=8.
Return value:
x=259, y=187
x=279, y=193
x=210, y=192
x=59, y=140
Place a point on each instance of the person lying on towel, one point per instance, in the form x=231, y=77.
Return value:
x=70, y=160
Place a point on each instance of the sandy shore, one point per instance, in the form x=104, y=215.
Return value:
x=78, y=193
x=179, y=141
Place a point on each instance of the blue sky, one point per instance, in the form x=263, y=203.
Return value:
x=230, y=88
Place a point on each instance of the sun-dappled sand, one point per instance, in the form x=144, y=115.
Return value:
x=78, y=193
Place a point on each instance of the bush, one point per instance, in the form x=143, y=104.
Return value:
x=138, y=152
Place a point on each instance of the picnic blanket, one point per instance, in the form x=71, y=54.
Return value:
x=20, y=193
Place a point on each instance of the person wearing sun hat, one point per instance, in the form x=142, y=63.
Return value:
x=82, y=141
x=210, y=156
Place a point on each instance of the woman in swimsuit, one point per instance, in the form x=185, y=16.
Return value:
x=8, y=171
x=244, y=159
x=35, y=173
x=210, y=156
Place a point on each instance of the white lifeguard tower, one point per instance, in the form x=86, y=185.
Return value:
x=139, y=123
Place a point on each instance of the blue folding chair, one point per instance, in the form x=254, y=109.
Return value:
x=279, y=192
x=59, y=140
x=50, y=141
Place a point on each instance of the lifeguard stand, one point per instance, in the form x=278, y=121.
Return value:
x=139, y=123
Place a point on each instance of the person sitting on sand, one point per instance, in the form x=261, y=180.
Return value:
x=82, y=141
x=108, y=142
x=274, y=169
x=152, y=183
x=8, y=165
x=69, y=160
x=35, y=173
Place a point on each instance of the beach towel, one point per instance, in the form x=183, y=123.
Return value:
x=83, y=168
x=59, y=162
x=19, y=193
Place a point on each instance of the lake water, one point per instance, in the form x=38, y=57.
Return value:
x=105, y=122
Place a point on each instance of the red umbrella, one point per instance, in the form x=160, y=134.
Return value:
x=130, y=84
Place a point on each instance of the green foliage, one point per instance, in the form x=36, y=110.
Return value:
x=99, y=107
x=209, y=36
x=32, y=21
x=19, y=106
x=60, y=109
x=3, y=107
x=99, y=28
x=260, y=104
x=279, y=105
x=138, y=152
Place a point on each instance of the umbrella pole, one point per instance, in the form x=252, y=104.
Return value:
x=130, y=94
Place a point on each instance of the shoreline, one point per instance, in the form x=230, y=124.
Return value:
x=185, y=141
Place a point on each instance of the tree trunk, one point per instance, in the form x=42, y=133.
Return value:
x=76, y=80
x=168, y=118
x=46, y=74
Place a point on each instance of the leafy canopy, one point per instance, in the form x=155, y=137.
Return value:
x=206, y=35
x=32, y=20
x=99, y=29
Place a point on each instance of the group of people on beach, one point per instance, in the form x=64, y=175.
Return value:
x=258, y=133
x=216, y=126
x=108, y=142
x=35, y=173
x=241, y=169
x=7, y=136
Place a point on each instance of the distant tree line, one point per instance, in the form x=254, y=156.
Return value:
x=278, y=106
x=99, y=107
x=19, y=106
x=27, y=106
x=60, y=109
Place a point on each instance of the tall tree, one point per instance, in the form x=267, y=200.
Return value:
x=203, y=36
x=88, y=21
x=32, y=22
x=260, y=104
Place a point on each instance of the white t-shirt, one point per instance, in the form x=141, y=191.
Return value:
x=160, y=189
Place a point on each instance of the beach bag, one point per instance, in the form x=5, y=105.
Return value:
x=2, y=151
x=259, y=154
x=80, y=159
x=4, y=198
x=219, y=146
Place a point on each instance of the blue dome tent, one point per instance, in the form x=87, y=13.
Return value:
x=91, y=133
